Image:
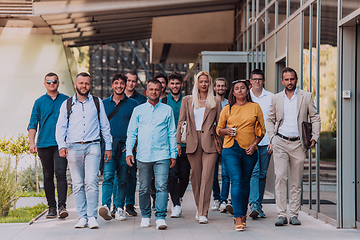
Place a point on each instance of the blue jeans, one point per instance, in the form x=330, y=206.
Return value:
x=222, y=195
x=131, y=184
x=258, y=177
x=160, y=169
x=84, y=161
x=239, y=166
x=118, y=165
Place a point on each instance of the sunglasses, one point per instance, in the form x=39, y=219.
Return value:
x=236, y=81
x=52, y=81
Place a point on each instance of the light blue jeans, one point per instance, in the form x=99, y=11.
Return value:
x=161, y=171
x=258, y=177
x=84, y=161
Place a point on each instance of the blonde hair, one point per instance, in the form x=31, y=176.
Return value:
x=210, y=99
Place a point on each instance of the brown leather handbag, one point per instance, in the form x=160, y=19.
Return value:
x=306, y=133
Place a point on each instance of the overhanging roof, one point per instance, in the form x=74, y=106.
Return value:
x=89, y=22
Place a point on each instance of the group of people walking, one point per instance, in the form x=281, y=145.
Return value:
x=163, y=137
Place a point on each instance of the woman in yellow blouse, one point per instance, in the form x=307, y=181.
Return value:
x=240, y=145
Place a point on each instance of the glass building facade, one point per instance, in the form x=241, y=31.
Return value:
x=320, y=39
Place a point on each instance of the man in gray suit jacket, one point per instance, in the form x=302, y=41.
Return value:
x=288, y=110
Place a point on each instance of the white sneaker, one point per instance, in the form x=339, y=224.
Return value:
x=176, y=212
x=93, y=223
x=145, y=222
x=215, y=206
x=120, y=214
x=222, y=207
x=105, y=213
x=161, y=224
x=82, y=223
x=203, y=220
x=197, y=215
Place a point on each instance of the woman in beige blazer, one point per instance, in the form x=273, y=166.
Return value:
x=201, y=111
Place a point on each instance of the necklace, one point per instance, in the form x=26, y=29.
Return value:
x=202, y=100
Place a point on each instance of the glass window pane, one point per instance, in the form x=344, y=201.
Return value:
x=261, y=5
x=271, y=17
x=261, y=26
x=281, y=11
x=294, y=5
x=348, y=6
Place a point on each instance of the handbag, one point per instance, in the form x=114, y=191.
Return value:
x=218, y=143
x=306, y=128
x=183, y=129
x=257, y=129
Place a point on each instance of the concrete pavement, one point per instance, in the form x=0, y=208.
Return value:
x=220, y=227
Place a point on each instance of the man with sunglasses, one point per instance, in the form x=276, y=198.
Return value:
x=44, y=115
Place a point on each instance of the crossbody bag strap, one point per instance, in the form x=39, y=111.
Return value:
x=116, y=110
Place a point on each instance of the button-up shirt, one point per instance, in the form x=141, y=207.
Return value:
x=176, y=106
x=264, y=100
x=83, y=125
x=154, y=127
x=138, y=97
x=45, y=113
x=289, y=127
x=119, y=123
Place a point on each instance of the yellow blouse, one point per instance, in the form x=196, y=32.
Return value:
x=242, y=118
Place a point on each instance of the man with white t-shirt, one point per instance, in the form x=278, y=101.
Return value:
x=258, y=177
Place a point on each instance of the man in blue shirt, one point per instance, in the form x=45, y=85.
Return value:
x=45, y=113
x=119, y=124
x=153, y=125
x=220, y=197
x=130, y=92
x=179, y=174
x=78, y=138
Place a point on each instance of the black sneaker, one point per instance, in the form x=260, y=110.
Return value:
x=62, y=212
x=130, y=210
x=52, y=213
x=229, y=208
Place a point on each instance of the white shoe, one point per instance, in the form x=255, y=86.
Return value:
x=145, y=222
x=203, y=220
x=161, y=224
x=215, y=206
x=93, y=223
x=176, y=212
x=197, y=215
x=105, y=213
x=222, y=207
x=82, y=223
x=120, y=214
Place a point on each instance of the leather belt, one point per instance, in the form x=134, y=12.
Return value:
x=97, y=140
x=288, y=138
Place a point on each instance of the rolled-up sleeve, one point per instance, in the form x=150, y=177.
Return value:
x=34, y=118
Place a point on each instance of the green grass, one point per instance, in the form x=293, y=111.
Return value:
x=24, y=214
x=31, y=194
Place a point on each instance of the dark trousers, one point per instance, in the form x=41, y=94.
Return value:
x=179, y=177
x=53, y=163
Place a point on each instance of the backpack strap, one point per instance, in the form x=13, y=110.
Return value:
x=97, y=105
x=69, y=106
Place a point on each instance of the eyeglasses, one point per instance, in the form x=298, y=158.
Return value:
x=257, y=79
x=54, y=81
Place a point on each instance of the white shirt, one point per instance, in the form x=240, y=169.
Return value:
x=289, y=128
x=264, y=100
x=199, y=117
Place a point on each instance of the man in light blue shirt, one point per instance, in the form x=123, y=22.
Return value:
x=153, y=125
x=258, y=177
x=78, y=137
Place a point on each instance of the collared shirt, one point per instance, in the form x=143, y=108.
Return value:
x=264, y=100
x=138, y=97
x=45, y=113
x=224, y=103
x=176, y=106
x=289, y=127
x=154, y=127
x=83, y=123
x=119, y=123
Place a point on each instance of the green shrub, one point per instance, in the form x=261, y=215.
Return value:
x=27, y=178
x=24, y=214
x=8, y=186
x=327, y=145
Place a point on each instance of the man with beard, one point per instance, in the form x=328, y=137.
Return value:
x=119, y=121
x=153, y=125
x=45, y=113
x=78, y=136
x=220, y=197
x=179, y=174
x=288, y=110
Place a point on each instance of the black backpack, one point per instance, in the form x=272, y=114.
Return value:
x=69, y=106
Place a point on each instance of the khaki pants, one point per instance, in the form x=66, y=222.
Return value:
x=202, y=174
x=288, y=153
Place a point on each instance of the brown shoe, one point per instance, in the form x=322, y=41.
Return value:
x=239, y=225
x=62, y=212
x=243, y=219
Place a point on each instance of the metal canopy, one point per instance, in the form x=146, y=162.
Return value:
x=89, y=22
